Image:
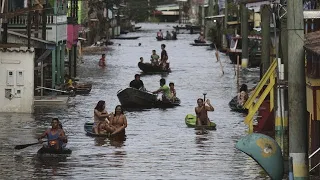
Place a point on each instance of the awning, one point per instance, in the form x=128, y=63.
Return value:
x=311, y=14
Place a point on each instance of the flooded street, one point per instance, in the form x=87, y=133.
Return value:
x=158, y=143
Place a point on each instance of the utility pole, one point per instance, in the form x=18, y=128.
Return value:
x=244, y=35
x=298, y=141
x=266, y=41
x=29, y=23
x=225, y=26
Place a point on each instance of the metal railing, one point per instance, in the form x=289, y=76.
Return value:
x=251, y=104
x=314, y=153
x=56, y=90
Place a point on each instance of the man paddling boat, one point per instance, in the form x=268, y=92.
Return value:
x=202, y=112
x=56, y=136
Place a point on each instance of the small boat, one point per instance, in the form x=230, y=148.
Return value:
x=128, y=38
x=234, y=106
x=200, y=44
x=135, y=98
x=138, y=27
x=148, y=68
x=190, y=121
x=88, y=129
x=168, y=104
x=53, y=152
x=124, y=32
x=163, y=39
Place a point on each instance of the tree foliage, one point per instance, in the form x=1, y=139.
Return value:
x=139, y=10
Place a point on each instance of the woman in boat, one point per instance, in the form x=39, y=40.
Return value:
x=100, y=115
x=202, y=112
x=242, y=95
x=119, y=121
x=56, y=137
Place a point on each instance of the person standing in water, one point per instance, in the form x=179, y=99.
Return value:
x=56, y=136
x=102, y=61
x=202, y=112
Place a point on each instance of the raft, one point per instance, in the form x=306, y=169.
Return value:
x=234, y=106
x=88, y=129
x=53, y=152
x=190, y=121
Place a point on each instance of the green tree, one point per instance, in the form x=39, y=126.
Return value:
x=139, y=10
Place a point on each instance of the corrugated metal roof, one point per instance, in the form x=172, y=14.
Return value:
x=17, y=49
x=311, y=14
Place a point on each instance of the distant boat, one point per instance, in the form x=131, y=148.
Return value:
x=148, y=68
x=200, y=44
x=128, y=38
x=138, y=27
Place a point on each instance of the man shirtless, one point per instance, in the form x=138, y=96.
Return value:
x=119, y=121
x=202, y=112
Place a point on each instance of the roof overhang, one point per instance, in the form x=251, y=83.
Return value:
x=215, y=17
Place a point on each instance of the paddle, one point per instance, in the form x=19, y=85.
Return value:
x=22, y=146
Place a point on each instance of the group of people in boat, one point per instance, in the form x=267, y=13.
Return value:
x=169, y=35
x=161, y=61
x=168, y=92
x=109, y=123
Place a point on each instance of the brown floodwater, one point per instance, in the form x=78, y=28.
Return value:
x=158, y=143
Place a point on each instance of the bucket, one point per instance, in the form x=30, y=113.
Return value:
x=244, y=63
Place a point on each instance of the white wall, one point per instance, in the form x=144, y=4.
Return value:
x=20, y=63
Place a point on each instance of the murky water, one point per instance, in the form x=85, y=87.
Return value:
x=158, y=143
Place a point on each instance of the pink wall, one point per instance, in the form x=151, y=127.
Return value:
x=73, y=33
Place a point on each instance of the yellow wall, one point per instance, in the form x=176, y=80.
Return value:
x=257, y=19
x=314, y=83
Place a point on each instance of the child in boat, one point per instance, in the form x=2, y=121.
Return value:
x=63, y=144
x=102, y=61
x=243, y=95
x=154, y=58
x=172, y=91
x=69, y=84
x=105, y=127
